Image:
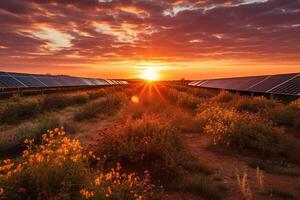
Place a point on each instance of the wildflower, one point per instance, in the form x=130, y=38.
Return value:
x=1, y=191
x=22, y=190
x=260, y=179
x=86, y=194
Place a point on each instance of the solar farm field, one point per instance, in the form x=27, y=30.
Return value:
x=149, y=140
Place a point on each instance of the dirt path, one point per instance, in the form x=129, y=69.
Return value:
x=227, y=166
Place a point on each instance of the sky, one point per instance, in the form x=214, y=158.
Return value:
x=194, y=39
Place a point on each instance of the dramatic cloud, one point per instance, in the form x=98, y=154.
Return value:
x=89, y=32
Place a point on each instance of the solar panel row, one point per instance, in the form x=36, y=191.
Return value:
x=286, y=84
x=21, y=80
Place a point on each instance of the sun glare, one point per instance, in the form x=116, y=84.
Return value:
x=149, y=74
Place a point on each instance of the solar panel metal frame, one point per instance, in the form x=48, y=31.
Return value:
x=22, y=80
x=269, y=84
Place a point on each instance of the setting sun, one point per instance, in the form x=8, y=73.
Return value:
x=149, y=74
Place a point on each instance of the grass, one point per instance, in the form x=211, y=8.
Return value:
x=199, y=185
x=14, y=142
x=183, y=99
x=108, y=106
x=58, y=101
x=17, y=111
x=282, y=194
x=274, y=168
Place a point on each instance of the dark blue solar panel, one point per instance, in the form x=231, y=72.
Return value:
x=48, y=81
x=249, y=82
x=291, y=87
x=271, y=82
x=10, y=82
x=17, y=80
x=62, y=80
x=30, y=81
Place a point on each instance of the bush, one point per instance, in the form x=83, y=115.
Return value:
x=147, y=142
x=283, y=115
x=295, y=106
x=243, y=131
x=115, y=185
x=11, y=143
x=59, y=169
x=15, y=112
x=183, y=99
x=254, y=104
x=204, y=93
x=224, y=97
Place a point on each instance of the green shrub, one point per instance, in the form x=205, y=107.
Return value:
x=59, y=168
x=204, y=93
x=274, y=167
x=224, y=97
x=295, y=106
x=254, y=104
x=11, y=143
x=15, y=112
x=283, y=115
x=200, y=185
x=146, y=142
x=79, y=99
x=183, y=99
x=242, y=131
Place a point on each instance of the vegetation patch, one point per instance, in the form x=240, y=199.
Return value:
x=59, y=168
x=149, y=142
x=13, y=142
x=254, y=104
x=243, y=131
x=183, y=99
x=108, y=106
x=274, y=168
x=200, y=185
x=19, y=111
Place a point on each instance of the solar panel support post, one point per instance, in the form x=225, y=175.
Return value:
x=271, y=96
x=252, y=94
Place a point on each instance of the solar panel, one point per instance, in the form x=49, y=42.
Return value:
x=10, y=82
x=49, y=81
x=104, y=82
x=291, y=87
x=109, y=82
x=288, y=84
x=22, y=80
x=270, y=82
x=30, y=81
